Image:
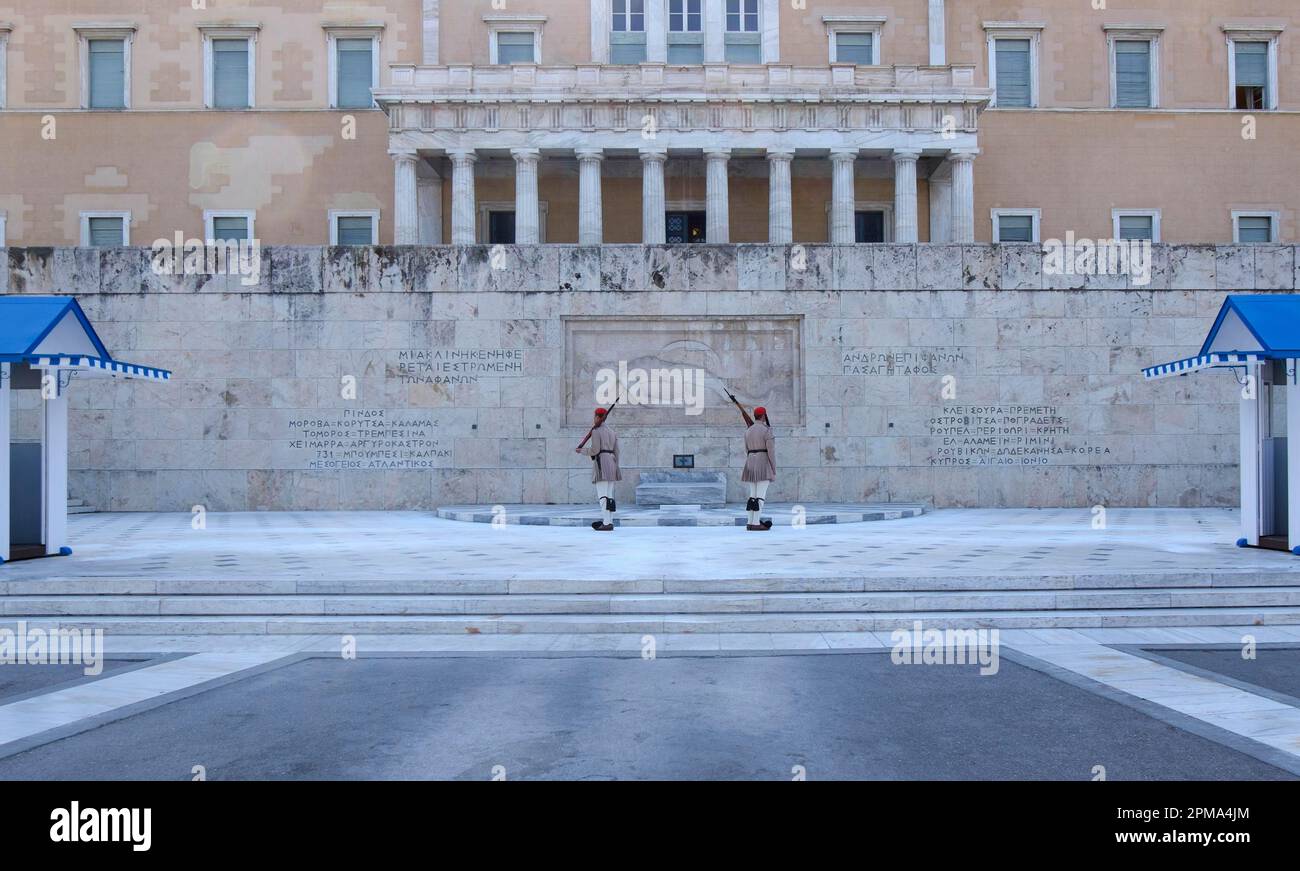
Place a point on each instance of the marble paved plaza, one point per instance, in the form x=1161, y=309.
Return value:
x=949, y=543
x=1143, y=699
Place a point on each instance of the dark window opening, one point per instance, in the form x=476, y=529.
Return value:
x=870, y=226
x=501, y=228
x=685, y=227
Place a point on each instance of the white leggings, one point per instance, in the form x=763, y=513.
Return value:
x=757, y=490
x=605, y=490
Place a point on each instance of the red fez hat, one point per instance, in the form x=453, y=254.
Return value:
x=760, y=412
x=602, y=412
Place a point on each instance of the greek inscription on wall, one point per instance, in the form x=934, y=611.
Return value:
x=886, y=362
x=366, y=439
x=1007, y=435
x=455, y=365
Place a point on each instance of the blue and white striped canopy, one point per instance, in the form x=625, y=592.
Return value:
x=52, y=332
x=99, y=366
x=1195, y=364
x=1250, y=329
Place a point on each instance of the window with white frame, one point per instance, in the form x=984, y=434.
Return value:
x=1255, y=228
x=106, y=66
x=627, y=43
x=743, y=36
x=515, y=39
x=1134, y=67
x=2, y=230
x=1135, y=224
x=1013, y=63
x=230, y=67
x=228, y=226
x=1015, y=225
x=353, y=54
x=105, y=229
x=685, y=31
x=854, y=39
x=1252, y=68
x=354, y=227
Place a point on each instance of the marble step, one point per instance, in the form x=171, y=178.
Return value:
x=320, y=586
x=545, y=624
x=653, y=603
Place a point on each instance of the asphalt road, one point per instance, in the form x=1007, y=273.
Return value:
x=761, y=717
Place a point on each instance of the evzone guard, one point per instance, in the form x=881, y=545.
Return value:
x=760, y=463
x=601, y=444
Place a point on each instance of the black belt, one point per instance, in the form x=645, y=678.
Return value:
x=758, y=452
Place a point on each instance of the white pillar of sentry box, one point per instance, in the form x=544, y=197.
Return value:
x=1293, y=454
x=4, y=461
x=54, y=464
x=1249, y=457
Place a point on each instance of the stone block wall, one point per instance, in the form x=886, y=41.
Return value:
x=408, y=378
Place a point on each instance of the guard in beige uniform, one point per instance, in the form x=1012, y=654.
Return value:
x=760, y=468
x=603, y=450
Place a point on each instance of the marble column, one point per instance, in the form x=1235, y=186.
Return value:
x=653, y=231
x=905, y=221
x=718, y=196
x=591, y=209
x=463, y=208
x=406, y=208
x=780, y=203
x=843, y=198
x=962, y=219
x=429, y=200
x=528, y=215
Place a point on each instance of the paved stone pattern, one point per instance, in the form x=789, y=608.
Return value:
x=946, y=547
x=248, y=360
x=731, y=515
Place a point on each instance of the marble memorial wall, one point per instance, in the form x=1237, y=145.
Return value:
x=410, y=378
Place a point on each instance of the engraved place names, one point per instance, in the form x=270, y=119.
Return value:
x=1006, y=435
x=367, y=439
x=891, y=362
x=456, y=365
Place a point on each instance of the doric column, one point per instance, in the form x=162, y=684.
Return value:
x=462, y=196
x=591, y=209
x=429, y=200
x=780, y=204
x=842, y=196
x=962, y=219
x=718, y=196
x=653, y=231
x=406, y=207
x=905, y=229
x=528, y=215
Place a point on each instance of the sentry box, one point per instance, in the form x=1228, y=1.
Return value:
x=46, y=343
x=1257, y=338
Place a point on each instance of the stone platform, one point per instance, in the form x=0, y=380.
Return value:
x=327, y=574
x=781, y=514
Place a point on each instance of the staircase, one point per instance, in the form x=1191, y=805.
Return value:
x=310, y=605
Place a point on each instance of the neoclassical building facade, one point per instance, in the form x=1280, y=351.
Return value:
x=628, y=121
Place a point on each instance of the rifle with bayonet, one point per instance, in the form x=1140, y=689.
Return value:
x=749, y=421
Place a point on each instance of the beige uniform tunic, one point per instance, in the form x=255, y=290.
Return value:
x=603, y=448
x=759, y=466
